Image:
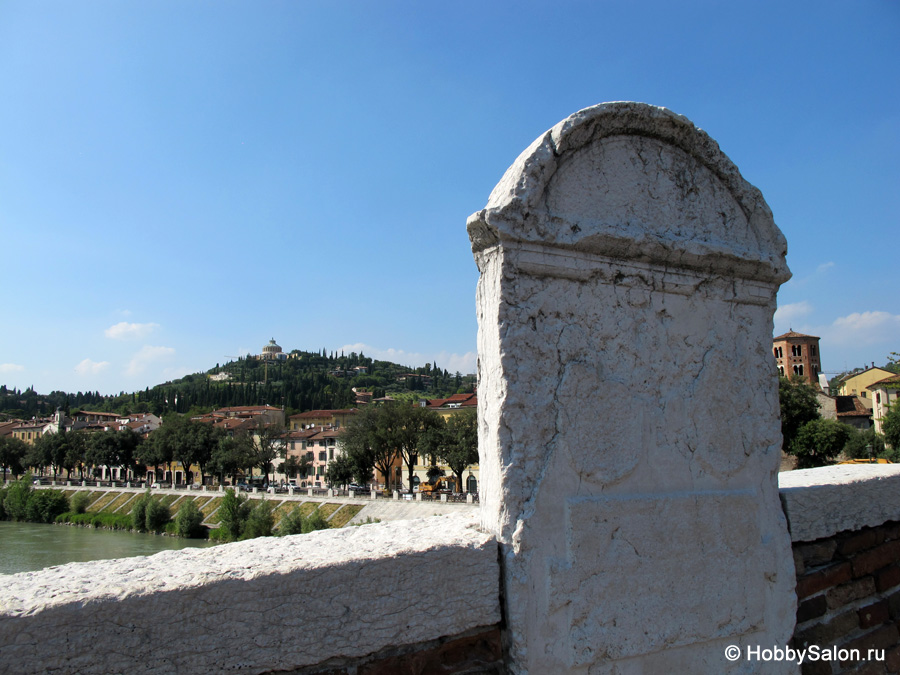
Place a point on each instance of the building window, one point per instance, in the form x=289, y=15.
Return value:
x=330, y=454
x=781, y=370
x=322, y=456
x=878, y=397
x=796, y=350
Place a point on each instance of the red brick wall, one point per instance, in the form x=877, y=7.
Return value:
x=848, y=595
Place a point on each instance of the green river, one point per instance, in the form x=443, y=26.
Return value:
x=25, y=547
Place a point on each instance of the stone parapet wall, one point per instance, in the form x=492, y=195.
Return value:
x=331, y=598
x=848, y=590
x=477, y=652
x=848, y=579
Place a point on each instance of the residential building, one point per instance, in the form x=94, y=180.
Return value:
x=851, y=410
x=320, y=445
x=448, y=406
x=323, y=418
x=885, y=394
x=859, y=384
x=264, y=414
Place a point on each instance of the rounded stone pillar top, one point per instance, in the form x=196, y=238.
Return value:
x=633, y=181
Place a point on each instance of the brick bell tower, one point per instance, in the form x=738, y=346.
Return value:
x=797, y=354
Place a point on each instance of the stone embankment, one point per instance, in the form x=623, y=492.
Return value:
x=337, y=510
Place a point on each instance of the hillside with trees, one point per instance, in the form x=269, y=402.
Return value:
x=304, y=381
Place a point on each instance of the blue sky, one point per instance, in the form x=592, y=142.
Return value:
x=181, y=181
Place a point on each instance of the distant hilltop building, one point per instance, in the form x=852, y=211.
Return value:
x=272, y=352
x=797, y=354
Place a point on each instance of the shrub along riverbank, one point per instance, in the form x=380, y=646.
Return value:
x=235, y=517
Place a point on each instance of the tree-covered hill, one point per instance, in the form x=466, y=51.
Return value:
x=303, y=381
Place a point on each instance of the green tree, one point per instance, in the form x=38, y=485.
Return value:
x=16, y=502
x=460, y=447
x=315, y=521
x=368, y=442
x=412, y=425
x=157, y=451
x=37, y=456
x=260, y=521
x=339, y=471
x=269, y=445
x=75, y=451
x=138, y=511
x=45, y=505
x=291, y=524
x=55, y=447
x=80, y=502
x=890, y=427
x=12, y=452
x=205, y=439
x=233, y=512
x=863, y=444
x=289, y=467
x=231, y=455
x=797, y=399
x=157, y=516
x=189, y=520
x=818, y=442
x=103, y=450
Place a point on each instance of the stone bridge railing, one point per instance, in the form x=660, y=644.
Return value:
x=629, y=440
x=419, y=596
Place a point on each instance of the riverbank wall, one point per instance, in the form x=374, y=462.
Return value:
x=339, y=511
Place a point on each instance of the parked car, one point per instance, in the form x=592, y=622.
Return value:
x=359, y=488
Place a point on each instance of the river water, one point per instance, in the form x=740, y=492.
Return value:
x=25, y=547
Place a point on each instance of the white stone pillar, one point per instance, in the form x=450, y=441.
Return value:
x=628, y=402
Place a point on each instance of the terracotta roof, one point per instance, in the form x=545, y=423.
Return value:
x=850, y=406
x=247, y=408
x=793, y=334
x=7, y=427
x=323, y=413
x=891, y=382
x=463, y=400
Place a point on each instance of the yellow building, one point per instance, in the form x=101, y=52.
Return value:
x=859, y=384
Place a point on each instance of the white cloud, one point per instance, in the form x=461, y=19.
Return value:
x=452, y=362
x=821, y=271
x=88, y=367
x=130, y=331
x=176, y=372
x=11, y=368
x=147, y=356
x=785, y=314
x=865, y=328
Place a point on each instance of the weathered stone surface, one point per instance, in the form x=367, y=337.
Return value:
x=821, y=502
x=628, y=279
x=256, y=606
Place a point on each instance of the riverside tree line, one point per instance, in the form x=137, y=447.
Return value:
x=378, y=437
